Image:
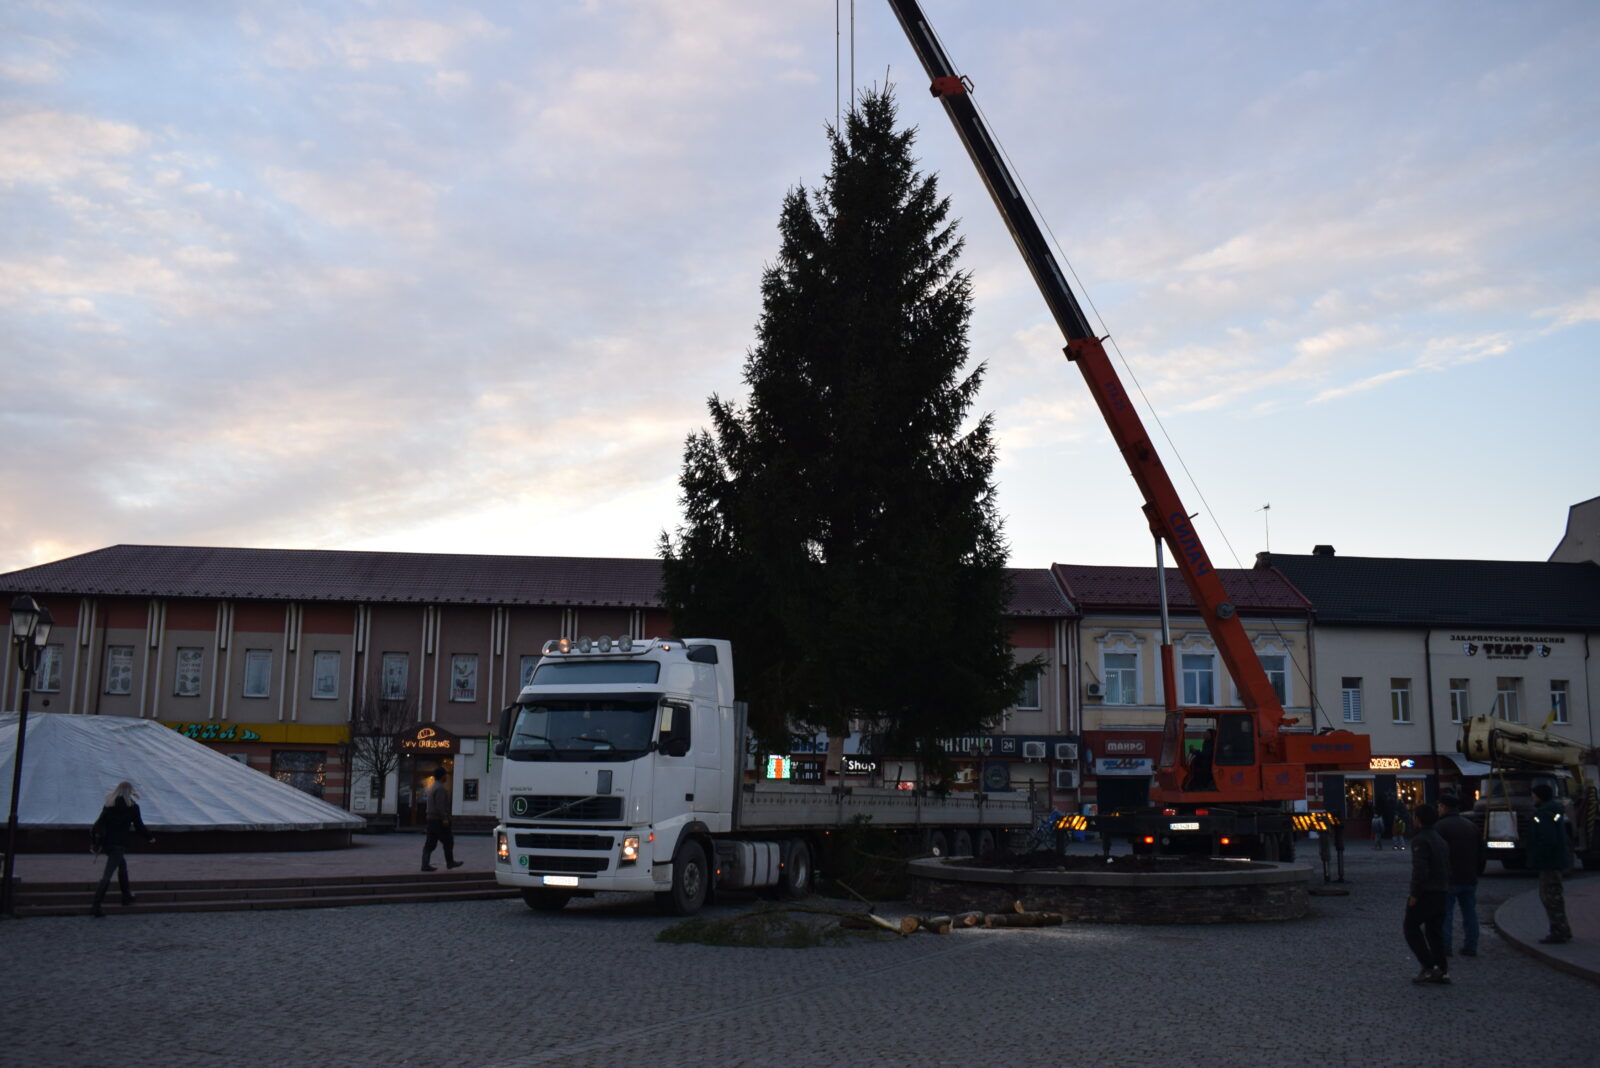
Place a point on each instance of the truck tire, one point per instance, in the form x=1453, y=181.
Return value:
x=546, y=900
x=961, y=843
x=1286, y=847
x=938, y=844
x=796, y=878
x=986, y=842
x=691, y=881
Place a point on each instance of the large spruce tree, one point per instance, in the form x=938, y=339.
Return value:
x=840, y=527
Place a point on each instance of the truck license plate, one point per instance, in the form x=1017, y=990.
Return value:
x=1185, y=826
x=561, y=880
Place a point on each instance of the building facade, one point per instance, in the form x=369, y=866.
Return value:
x=1406, y=651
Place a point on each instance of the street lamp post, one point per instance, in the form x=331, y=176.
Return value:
x=30, y=629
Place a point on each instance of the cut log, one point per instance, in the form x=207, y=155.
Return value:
x=909, y=924
x=937, y=924
x=969, y=919
x=1018, y=907
x=866, y=921
x=1023, y=919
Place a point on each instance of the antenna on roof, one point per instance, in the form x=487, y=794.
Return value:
x=1266, y=521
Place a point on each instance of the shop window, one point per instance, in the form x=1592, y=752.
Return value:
x=1460, y=700
x=1350, y=698
x=186, y=680
x=1558, y=701
x=325, y=675
x=119, y=669
x=1400, y=700
x=396, y=675
x=1508, y=699
x=1121, y=672
x=258, y=673
x=464, y=677
x=47, y=676
x=1199, y=679
x=303, y=770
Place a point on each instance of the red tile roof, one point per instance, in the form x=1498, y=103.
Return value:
x=1090, y=586
x=380, y=577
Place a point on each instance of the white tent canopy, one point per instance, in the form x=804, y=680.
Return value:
x=70, y=763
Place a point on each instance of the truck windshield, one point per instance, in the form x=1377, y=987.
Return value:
x=585, y=672
x=604, y=729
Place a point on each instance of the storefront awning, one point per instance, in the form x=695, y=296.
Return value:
x=1468, y=767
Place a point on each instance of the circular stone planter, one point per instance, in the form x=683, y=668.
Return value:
x=1253, y=892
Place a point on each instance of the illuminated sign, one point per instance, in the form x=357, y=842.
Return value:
x=216, y=732
x=856, y=766
x=1124, y=766
x=1390, y=764
x=1123, y=746
x=431, y=740
x=780, y=767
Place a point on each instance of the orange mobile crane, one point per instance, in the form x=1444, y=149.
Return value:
x=1256, y=767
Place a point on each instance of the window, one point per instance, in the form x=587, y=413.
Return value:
x=1122, y=678
x=47, y=676
x=302, y=770
x=1508, y=699
x=1199, y=679
x=396, y=674
x=119, y=669
x=464, y=677
x=325, y=674
x=469, y=789
x=1460, y=703
x=1558, y=701
x=1277, y=669
x=528, y=664
x=674, y=729
x=1350, y=694
x=1028, y=695
x=1400, y=700
x=258, y=672
x=186, y=681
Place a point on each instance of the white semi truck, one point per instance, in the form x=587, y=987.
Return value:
x=627, y=767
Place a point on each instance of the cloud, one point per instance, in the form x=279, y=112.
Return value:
x=1585, y=309
x=45, y=147
x=375, y=197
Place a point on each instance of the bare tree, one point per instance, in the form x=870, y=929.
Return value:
x=375, y=729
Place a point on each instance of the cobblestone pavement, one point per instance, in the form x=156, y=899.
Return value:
x=493, y=983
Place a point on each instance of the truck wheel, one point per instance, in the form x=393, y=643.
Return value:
x=963, y=844
x=546, y=900
x=1286, y=847
x=795, y=880
x=938, y=844
x=690, y=882
x=985, y=843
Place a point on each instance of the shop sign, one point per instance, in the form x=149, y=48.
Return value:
x=1507, y=647
x=1123, y=766
x=1390, y=764
x=1125, y=745
x=216, y=732
x=971, y=743
x=856, y=766
x=429, y=740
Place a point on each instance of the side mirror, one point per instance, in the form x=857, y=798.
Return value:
x=506, y=715
x=499, y=747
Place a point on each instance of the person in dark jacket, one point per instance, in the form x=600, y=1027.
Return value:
x=1425, y=907
x=1465, y=844
x=1547, y=854
x=439, y=833
x=119, y=818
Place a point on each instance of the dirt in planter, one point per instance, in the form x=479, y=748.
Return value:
x=1126, y=862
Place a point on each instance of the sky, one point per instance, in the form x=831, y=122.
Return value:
x=455, y=277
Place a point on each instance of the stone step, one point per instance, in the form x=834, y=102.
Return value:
x=210, y=895
x=240, y=904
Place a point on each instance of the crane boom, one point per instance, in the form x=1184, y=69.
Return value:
x=1164, y=510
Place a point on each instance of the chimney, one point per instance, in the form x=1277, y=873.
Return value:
x=1322, y=550
x=1263, y=560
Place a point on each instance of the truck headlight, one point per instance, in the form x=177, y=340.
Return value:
x=630, y=849
x=502, y=849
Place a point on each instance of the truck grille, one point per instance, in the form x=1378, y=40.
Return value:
x=588, y=865
x=543, y=806
x=566, y=841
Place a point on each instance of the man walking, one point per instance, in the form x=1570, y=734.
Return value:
x=1547, y=853
x=1425, y=908
x=1465, y=845
x=438, y=802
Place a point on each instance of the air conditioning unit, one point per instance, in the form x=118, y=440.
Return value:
x=1066, y=750
x=1066, y=778
x=1096, y=690
x=1032, y=750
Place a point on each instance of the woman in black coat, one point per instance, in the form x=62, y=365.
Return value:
x=118, y=819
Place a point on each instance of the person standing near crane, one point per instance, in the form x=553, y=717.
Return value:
x=1549, y=857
